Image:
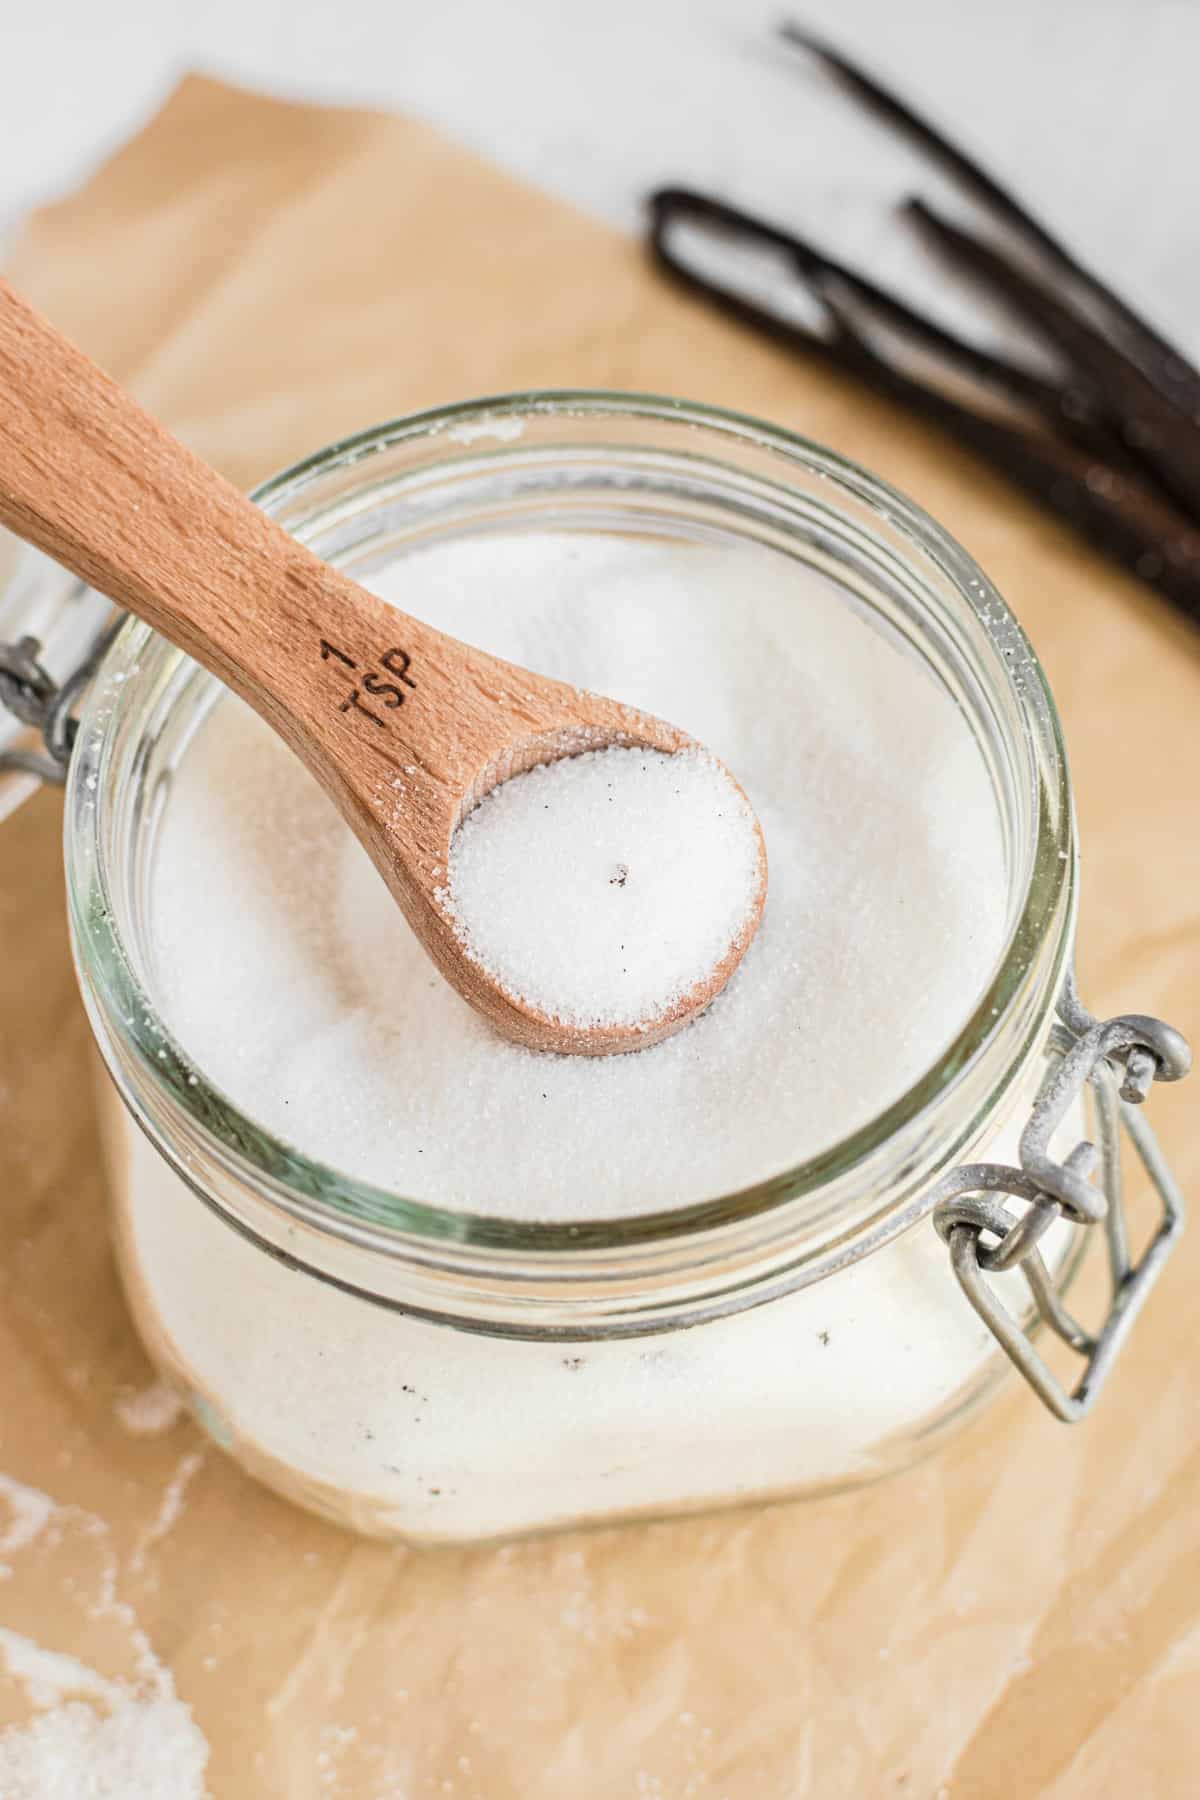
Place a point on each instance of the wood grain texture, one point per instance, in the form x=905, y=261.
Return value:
x=406, y=728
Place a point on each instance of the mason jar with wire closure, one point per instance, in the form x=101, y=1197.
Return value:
x=445, y=1374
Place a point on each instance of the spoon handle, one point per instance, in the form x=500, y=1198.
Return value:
x=100, y=486
x=404, y=727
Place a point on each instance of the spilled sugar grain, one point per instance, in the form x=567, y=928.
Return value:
x=604, y=889
x=28, y=1514
x=88, y=1735
x=169, y=1510
x=150, y=1410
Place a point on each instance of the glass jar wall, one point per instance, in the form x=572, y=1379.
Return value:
x=447, y=1374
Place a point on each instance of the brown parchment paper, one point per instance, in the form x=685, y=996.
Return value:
x=1020, y=1616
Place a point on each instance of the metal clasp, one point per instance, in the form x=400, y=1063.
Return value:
x=32, y=696
x=986, y=1234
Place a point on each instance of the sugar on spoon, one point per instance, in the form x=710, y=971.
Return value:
x=376, y=703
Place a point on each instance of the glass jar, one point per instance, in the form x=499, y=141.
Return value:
x=450, y=1376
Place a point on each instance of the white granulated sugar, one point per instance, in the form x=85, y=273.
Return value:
x=81, y=1734
x=603, y=889
x=150, y=1410
x=24, y=1514
x=112, y=1743
x=170, y=1509
x=284, y=967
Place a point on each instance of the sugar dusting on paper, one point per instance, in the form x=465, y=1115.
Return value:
x=170, y=1508
x=28, y=1514
x=85, y=1732
x=150, y=1410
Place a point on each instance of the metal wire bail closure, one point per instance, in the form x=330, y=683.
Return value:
x=31, y=695
x=985, y=1234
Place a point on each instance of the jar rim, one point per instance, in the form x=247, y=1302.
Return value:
x=123, y=1012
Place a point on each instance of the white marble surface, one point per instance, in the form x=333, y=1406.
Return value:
x=1087, y=106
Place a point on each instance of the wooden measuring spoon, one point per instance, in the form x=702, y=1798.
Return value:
x=373, y=701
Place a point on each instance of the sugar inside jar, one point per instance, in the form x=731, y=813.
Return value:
x=442, y=1287
x=281, y=963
